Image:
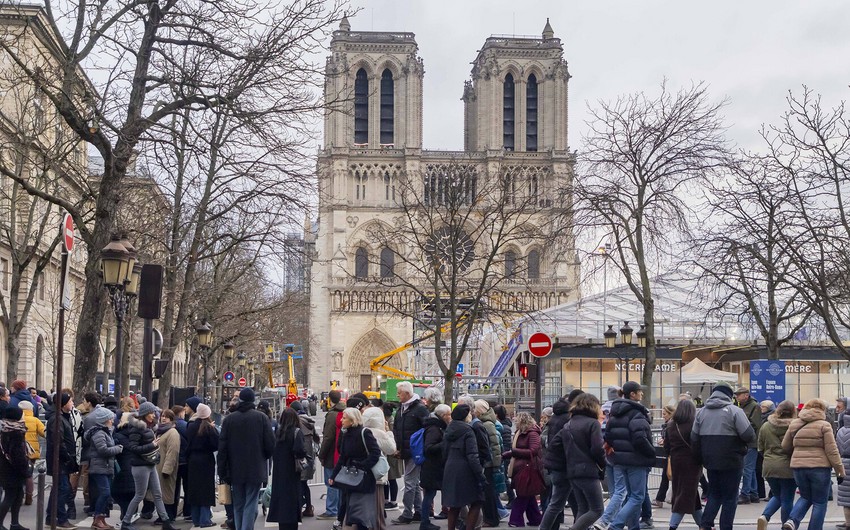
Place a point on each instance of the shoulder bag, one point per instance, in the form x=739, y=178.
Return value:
x=382, y=466
x=301, y=464
x=600, y=470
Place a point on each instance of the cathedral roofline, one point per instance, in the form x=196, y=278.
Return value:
x=392, y=37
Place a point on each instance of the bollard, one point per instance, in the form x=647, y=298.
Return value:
x=41, y=469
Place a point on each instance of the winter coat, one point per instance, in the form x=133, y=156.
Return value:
x=777, y=463
x=377, y=425
x=285, y=507
x=685, y=467
x=35, y=430
x=507, y=437
x=527, y=455
x=721, y=433
x=245, y=446
x=139, y=439
x=431, y=475
x=810, y=438
x=181, y=425
x=122, y=482
x=14, y=464
x=21, y=395
x=308, y=430
x=67, y=446
x=328, y=453
x=409, y=418
x=843, y=442
x=560, y=417
x=629, y=434
x=464, y=483
x=581, y=439
x=169, y=459
x=101, y=450
x=752, y=409
x=494, y=439
x=200, y=462
x=361, y=451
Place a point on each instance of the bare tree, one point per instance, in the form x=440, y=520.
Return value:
x=640, y=157
x=741, y=254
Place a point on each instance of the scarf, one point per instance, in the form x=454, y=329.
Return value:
x=163, y=428
x=13, y=426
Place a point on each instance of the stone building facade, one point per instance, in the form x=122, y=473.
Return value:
x=515, y=122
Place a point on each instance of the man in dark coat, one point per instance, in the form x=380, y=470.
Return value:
x=628, y=432
x=431, y=477
x=749, y=485
x=245, y=445
x=410, y=418
x=329, y=452
x=67, y=461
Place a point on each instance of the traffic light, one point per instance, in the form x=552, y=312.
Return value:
x=528, y=371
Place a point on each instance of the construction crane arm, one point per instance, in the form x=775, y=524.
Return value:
x=379, y=364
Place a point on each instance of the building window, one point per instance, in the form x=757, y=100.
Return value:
x=389, y=187
x=41, y=283
x=534, y=265
x=387, y=108
x=360, y=185
x=533, y=189
x=361, y=108
x=450, y=185
x=510, y=264
x=531, y=114
x=361, y=264
x=387, y=263
x=508, y=113
x=4, y=271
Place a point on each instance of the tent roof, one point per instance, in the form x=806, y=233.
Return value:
x=697, y=371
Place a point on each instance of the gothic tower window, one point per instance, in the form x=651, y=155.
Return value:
x=361, y=107
x=510, y=264
x=508, y=113
x=387, y=108
x=533, y=188
x=534, y=265
x=360, y=185
x=389, y=187
x=531, y=114
x=361, y=263
x=387, y=263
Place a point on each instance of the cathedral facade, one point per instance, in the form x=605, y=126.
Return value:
x=515, y=121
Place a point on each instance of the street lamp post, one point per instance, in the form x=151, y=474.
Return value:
x=241, y=361
x=626, y=335
x=121, y=278
x=204, y=331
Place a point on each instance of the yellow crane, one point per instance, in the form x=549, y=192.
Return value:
x=289, y=350
x=379, y=364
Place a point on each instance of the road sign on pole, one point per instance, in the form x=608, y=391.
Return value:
x=243, y=381
x=229, y=377
x=460, y=368
x=68, y=232
x=540, y=345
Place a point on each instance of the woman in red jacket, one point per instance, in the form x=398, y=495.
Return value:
x=526, y=471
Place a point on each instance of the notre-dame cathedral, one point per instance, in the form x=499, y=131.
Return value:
x=515, y=117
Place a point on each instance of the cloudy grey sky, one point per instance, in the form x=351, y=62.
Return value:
x=752, y=52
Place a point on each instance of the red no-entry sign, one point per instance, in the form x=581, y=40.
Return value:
x=243, y=381
x=540, y=344
x=68, y=232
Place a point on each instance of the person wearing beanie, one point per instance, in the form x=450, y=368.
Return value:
x=19, y=392
x=193, y=403
x=720, y=436
x=35, y=430
x=14, y=465
x=67, y=459
x=329, y=453
x=464, y=485
x=102, y=451
x=245, y=444
x=203, y=442
x=488, y=420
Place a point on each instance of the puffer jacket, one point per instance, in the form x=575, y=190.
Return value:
x=101, y=450
x=777, y=463
x=721, y=434
x=139, y=439
x=581, y=441
x=488, y=418
x=560, y=417
x=843, y=442
x=753, y=411
x=35, y=430
x=812, y=442
x=629, y=434
x=409, y=418
x=375, y=422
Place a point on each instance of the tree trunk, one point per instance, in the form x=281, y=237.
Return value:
x=650, y=360
x=13, y=351
x=90, y=324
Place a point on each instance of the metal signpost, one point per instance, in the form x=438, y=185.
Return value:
x=540, y=346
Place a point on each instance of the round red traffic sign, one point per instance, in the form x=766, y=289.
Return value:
x=68, y=232
x=243, y=381
x=540, y=344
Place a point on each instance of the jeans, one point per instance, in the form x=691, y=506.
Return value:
x=332, y=496
x=676, y=518
x=64, y=491
x=412, y=498
x=635, y=480
x=748, y=484
x=13, y=497
x=722, y=492
x=427, y=504
x=145, y=478
x=814, y=491
x=783, y=496
x=491, y=499
x=101, y=502
x=201, y=515
x=616, y=494
x=589, y=497
x=557, y=501
x=245, y=497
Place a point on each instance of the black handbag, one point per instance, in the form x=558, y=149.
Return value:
x=151, y=457
x=349, y=478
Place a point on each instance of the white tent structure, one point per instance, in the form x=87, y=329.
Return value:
x=696, y=372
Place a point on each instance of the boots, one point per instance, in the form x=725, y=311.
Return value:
x=168, y=524
x=28, y=499
x=308, y=512
x=101, y=524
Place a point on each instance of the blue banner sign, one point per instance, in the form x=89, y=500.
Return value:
x=767, y=380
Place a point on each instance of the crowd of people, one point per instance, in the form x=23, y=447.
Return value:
x=142, y=460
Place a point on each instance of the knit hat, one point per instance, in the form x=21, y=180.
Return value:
x=613, y=393
x=65, y=399
x=146, y=408
x=356, y=402
x=724, y=388
x=204, y=411
x=25, y=405
x=629, y=388
x=19, y=384
x=100, y=415
x=247, y=395
x=13, y=413
x=110, y=400
x=193, y=403
x=460, y=412
x=296, y=406
x=481, y=407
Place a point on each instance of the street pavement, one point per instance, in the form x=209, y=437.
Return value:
x=745, y=517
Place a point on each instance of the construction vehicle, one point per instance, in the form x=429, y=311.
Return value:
x=272, y=363
x=379, y=364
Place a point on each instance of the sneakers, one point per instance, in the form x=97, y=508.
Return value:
x=429, y=526
x=754, y=498
x=417, y=516
x=403, y=519
x=658, y=504
x=743, y=499
x=646, y=524
x=761, y=523
x=67, y=525
x=337, y=525
x=326, y=515
x=599, y=525
x=789, y=525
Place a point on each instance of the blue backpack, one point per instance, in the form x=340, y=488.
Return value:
x=417, y=447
